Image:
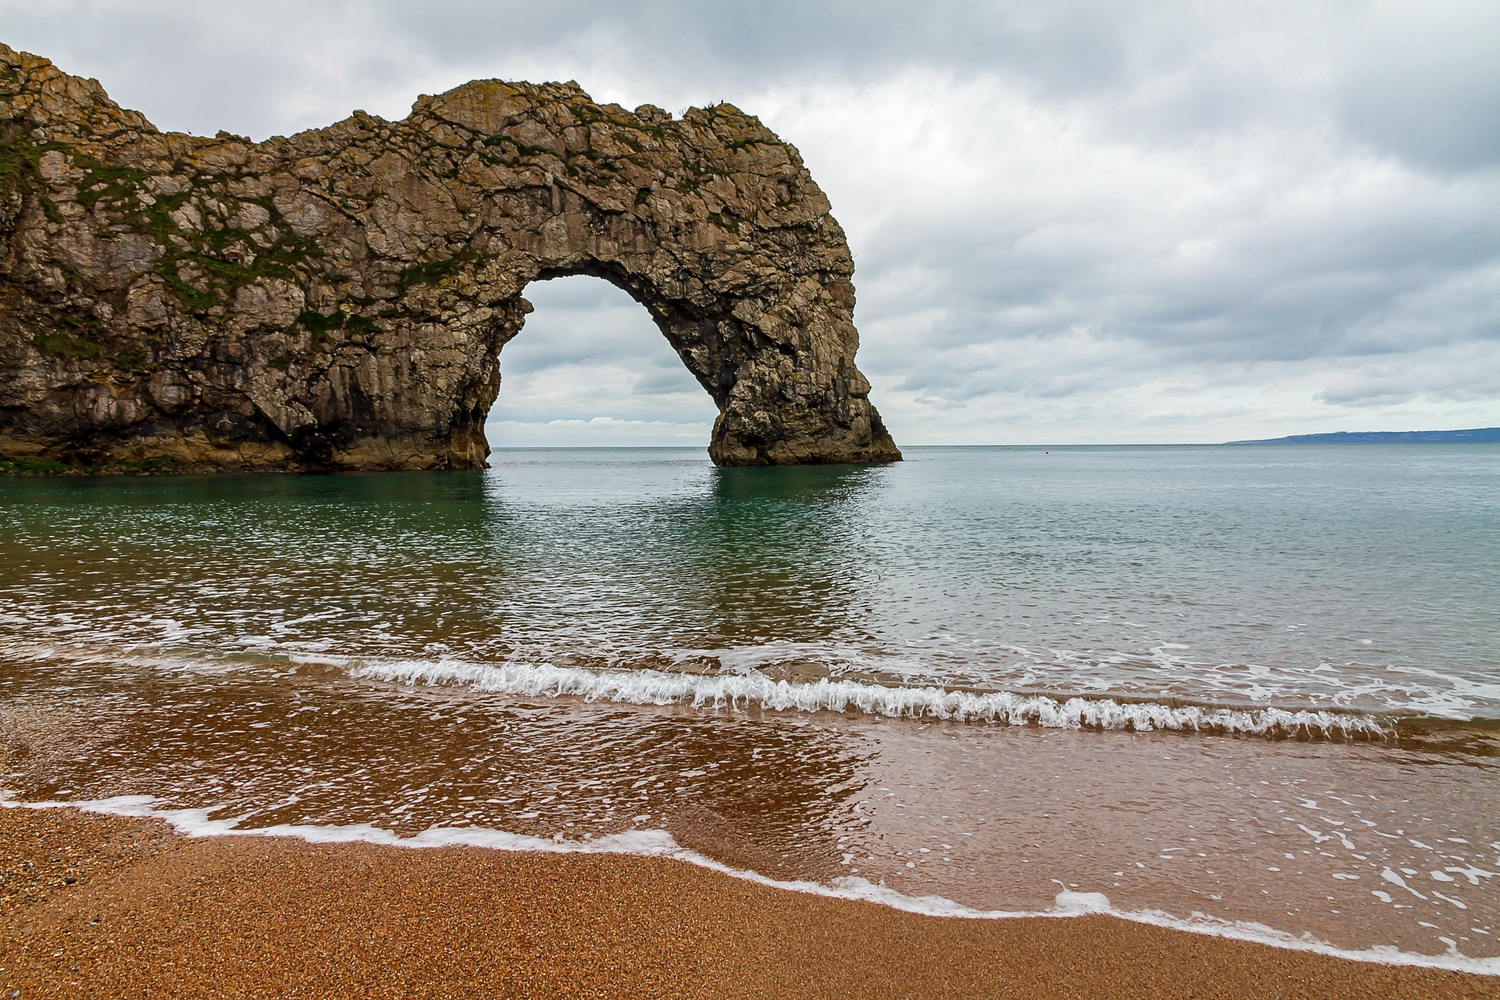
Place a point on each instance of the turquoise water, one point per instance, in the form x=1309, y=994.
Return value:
x=812, y=672
x=1351, y=579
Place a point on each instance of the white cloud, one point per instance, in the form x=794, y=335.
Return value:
x=595, y=432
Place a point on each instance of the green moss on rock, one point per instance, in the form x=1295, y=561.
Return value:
x=432, y=272
x=18, y=163
x=39, y=467
x=70, y=347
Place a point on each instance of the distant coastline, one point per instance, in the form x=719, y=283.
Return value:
x=1478, y=435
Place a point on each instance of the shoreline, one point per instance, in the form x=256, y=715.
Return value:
x=659, y=845
x=156, y=912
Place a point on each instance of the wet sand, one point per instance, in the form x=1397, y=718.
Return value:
x=152, y=914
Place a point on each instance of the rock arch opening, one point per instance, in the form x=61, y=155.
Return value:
x=591, y=369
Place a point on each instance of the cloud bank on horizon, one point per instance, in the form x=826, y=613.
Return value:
x=1072, y=222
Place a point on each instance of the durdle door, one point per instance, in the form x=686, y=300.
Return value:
x=338, y=299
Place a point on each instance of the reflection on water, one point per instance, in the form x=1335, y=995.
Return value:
x=769, y=552
x=240, y=644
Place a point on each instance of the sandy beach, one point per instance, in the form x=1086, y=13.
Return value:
x=149, y=913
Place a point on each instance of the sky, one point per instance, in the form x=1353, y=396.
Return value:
x=1072, y=221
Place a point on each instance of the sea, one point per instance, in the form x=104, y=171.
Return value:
x=1249, y=691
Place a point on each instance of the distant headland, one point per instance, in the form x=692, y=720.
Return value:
x=1477, y=435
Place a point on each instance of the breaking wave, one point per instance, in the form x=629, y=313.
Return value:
x=755, y=690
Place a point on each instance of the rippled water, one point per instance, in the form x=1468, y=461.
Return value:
x=1255, y=684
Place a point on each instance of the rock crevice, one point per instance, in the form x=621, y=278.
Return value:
x=339, y=298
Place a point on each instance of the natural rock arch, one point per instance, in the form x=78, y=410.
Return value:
x=338, y=298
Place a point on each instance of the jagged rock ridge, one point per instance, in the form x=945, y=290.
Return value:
x=339, y=298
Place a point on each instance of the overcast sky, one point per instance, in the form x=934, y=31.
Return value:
x=1082, y=222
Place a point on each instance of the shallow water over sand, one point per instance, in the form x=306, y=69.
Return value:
x=1254, y=684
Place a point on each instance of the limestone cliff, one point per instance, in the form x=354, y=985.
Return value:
x=339, y=298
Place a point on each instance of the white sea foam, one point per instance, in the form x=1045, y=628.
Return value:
x=743, y=690
x=660, y=844
x=1353, y=702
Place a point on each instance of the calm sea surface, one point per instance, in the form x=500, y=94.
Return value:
x=1251, y=690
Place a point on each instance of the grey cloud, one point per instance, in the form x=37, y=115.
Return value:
x=1378, y=276
x=1474, y=373
x=1424, y=81
x=666, y=380
x=1419, y=80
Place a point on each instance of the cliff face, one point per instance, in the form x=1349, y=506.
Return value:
x=339, y=298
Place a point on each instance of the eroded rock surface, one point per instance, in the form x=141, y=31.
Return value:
x=339, y=298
